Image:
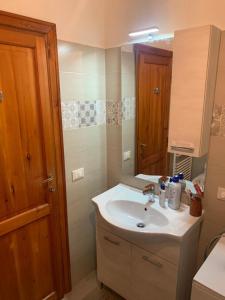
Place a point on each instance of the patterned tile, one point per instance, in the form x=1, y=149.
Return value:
x=70, y=115
x=117, y=110
x=218, y=121
x=77, y=114
x=87, y=113
x=113, y=112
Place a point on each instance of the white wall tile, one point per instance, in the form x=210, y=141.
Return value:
x=82, y=81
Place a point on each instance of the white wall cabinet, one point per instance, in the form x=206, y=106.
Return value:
x=195, y=59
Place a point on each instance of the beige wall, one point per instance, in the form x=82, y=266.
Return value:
x=80, y=21
x=106, y=24
x=82, y=81
x=169, y=15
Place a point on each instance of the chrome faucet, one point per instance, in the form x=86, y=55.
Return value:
x=149, y=190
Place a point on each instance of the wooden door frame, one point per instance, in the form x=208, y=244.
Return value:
x=48, y=31
x=139, y=49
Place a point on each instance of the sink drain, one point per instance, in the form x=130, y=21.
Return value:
x=140, y=225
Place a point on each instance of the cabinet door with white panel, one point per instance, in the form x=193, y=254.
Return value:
x=152, y=277
x=195, y=59
x=113, y=261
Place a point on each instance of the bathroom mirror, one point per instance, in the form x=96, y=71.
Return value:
x=145, y=92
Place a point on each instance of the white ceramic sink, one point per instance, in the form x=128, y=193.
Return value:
x=133, y=213
x=124, y=207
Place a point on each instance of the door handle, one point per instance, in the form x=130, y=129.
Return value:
x=143, y=145
x=156, y=90
x=47, y=180
x=1, y=96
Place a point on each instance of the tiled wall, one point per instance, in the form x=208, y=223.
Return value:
x=113, y=115
x=120, y=112
x=82, y=83
x=128, y=107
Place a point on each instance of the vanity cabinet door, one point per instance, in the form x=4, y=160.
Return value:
x=113, y=262
x=152, y=277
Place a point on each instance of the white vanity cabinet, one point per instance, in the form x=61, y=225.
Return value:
x=133, y=272
x=195, y=59
x=156, y=260
x=145, y=268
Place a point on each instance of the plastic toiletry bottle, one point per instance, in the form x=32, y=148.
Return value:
x=182, y=182
x=168, y=187
x=162, y=195
x=174, y=193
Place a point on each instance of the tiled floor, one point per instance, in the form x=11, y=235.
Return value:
x=90, y=289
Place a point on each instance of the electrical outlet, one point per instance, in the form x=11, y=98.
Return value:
x=221, y=193
x=126, y=155
x=77, y=174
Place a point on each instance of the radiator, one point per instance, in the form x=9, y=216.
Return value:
x=182, y=164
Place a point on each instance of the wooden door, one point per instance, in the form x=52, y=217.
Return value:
x=153, y=76
x=33, y=230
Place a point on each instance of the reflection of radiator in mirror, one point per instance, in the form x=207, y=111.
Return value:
x=182, y=164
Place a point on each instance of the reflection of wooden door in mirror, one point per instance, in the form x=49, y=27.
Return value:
x=153, y=80
x=34, y=256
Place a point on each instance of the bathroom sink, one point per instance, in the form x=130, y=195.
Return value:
x=128, y=209
x=132, y=213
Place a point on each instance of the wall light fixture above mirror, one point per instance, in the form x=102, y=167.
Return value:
x=144, y=31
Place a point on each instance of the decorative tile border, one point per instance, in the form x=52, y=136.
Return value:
x=78, y=114
x=218, y=121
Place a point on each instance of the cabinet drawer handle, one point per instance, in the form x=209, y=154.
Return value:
x=112, y=242
x=153, y=262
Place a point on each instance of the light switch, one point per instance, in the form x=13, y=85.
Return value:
x=77, y=174
x=221, y=193
x=127, y=155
